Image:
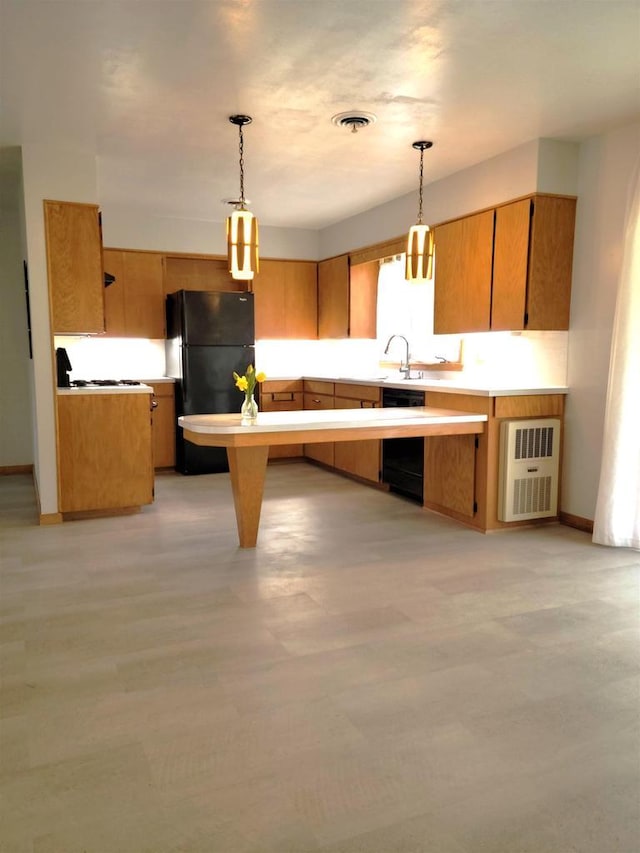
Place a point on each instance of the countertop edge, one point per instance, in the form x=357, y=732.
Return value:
x=449, y=386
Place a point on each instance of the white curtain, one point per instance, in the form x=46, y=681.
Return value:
x=617, y=517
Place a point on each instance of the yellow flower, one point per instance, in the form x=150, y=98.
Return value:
x=247, y=382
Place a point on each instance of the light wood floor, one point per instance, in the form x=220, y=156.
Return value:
x=370, y=678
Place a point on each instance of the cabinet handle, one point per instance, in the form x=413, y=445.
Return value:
x=154, y=404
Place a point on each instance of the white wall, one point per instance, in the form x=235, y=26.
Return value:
x=605, y=166
x=61, y=174
x=125, y=228
x=16, y=446
x=509, y=175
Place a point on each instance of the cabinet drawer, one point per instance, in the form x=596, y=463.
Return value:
x=361, y=392
x=318, y=401
x=530, y=406
x=281, y=386
x=354, y=403
x=317, y=386
x=290, y=402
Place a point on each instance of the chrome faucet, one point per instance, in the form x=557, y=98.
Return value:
x=404, y=368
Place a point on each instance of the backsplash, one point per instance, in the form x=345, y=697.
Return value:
x=530, y=358
x=113, y=358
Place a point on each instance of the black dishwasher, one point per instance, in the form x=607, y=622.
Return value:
x=403, y=458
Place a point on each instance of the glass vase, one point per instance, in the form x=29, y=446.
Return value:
x=249, y=410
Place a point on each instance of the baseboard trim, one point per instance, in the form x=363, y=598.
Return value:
x=7, y=470
x=577, y=521
x=50, y=518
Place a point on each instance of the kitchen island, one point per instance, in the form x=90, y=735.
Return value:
x=248, y=445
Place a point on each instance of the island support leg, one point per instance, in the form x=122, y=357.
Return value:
x=247, y=466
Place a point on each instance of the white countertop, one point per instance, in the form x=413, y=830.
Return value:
x=457, y=385
x=333, y=419
x=106, y=389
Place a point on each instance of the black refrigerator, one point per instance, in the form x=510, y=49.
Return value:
x=210, y=335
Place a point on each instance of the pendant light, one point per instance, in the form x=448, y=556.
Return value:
x=419, y=264
x=242, y=226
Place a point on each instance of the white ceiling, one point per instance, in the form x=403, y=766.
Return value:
x=149, y=87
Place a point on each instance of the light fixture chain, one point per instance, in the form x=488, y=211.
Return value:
x=420, y=194
x=241, y=146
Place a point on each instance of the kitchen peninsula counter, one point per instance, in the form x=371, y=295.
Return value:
x=248, y=445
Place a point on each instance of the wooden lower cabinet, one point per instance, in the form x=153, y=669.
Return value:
x=449, y=473
x=455, y=470
x=319, y=395
x=282, y=395
x=360, y=458
x=163, y=431
x=104, y=451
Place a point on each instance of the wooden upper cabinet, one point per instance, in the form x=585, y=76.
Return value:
x=363, y=300
x=74, y=266
x=347, y=298
x=463, y=259
x=134, y=303
x=510, y=265
x=507, y=268
x=333, y=297
x=183, y=272
x=550, y=263
x=286, y=300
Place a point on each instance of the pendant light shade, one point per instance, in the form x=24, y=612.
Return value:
x=242, y=226
x=419, y=263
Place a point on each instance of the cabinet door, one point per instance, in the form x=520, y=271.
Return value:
x=301, y=300
x=333, y=298
x=114, y=295
x=510, y=263
x=363, y=300
x=268, y=291
x=286, y=300
x=134, y=302
x=463, y=260
x=549, y=290
x=449, y=473
x=361, y=458
x=74, y=266
x=164, y=425
x=144, y=295
x=104, y=451
x=323, y=451
x=192, y=273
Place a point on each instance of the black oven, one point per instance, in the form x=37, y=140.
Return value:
x=403, y=458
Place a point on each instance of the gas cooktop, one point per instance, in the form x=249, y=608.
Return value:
x=99, y=383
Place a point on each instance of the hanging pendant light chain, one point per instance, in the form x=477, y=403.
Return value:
x=241, y=146
x=420, y=195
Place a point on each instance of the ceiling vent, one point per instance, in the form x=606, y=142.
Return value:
x=354, y=120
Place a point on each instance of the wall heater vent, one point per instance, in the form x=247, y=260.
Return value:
x=528, y=482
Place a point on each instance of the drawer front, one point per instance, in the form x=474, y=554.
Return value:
x=352, y=403
x=316, y=386
x=530, y=406
x=361, y=392
x=281, y=401
x=318, y=401
x=281, y=386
